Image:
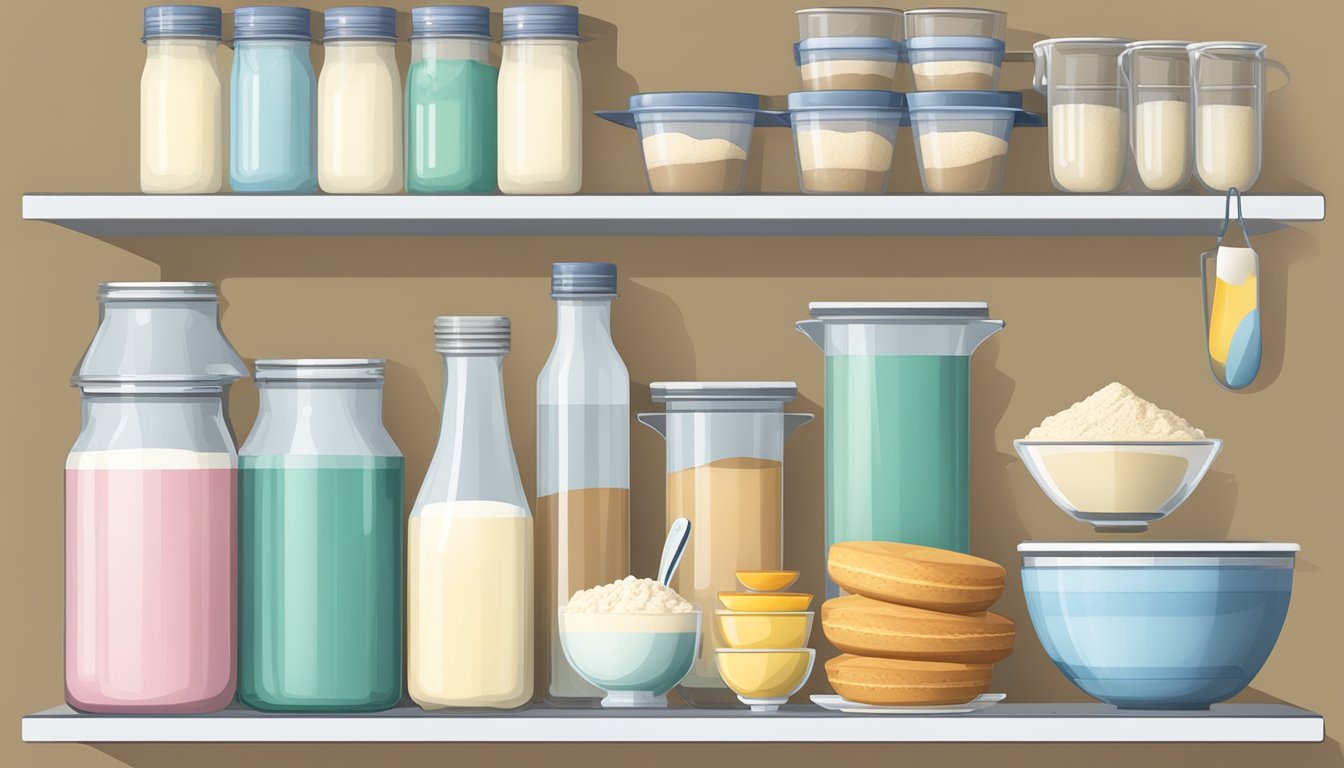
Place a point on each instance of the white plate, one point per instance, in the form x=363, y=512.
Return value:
x=839, y=704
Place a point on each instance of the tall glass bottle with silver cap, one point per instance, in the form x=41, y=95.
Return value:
x=470, y=545
x=583, y=461
x=320, y=542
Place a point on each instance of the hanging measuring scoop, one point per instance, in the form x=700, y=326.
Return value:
x=1232, y=317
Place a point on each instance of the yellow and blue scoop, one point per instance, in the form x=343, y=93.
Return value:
x=1233, y=321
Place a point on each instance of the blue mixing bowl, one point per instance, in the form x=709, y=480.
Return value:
x=1158, y=625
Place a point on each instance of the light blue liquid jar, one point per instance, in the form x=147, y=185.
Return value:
x=273, y=100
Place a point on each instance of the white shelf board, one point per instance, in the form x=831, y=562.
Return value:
x=1033, y=723
x=660, y=215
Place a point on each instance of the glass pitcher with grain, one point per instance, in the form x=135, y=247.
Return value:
x=725, y=473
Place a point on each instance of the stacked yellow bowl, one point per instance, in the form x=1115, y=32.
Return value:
x=766, y=631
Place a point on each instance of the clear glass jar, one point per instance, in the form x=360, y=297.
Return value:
x=583, y=462
x=1229, y=104
x=181, y=102
x=149, y=550
x=359, y=112
x=451, y=92
x=1160, y=136
x=470, y=550
x=540, y=102
x=320, y=508
x=1089, y=145
x=272, y=102
x=725, y=473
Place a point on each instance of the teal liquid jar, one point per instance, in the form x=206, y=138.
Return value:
x=272, y=101
x=898, y=419
x=450, y=102
x=320, y=537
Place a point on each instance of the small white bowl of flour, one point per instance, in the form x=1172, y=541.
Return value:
x=1117, y=461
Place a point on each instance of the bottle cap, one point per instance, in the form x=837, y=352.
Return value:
x=201, y=21
x=583, y=279
x=472, y=335
x=366, y=22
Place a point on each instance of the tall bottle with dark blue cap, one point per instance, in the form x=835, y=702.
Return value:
x=359, y=128
x=540, y=102
x=272, y=102
x=181, y=102
x=450, y=101
x=583, y=462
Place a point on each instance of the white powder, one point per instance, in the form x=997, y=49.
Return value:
x=1087, y=147
x=956, y=149
x=818, y=70
x=860, y=150
x=1114, y=413
x=629, y=595
x=147, y=459
x=676, y=148
x=1228, y=146
x=1162, y=143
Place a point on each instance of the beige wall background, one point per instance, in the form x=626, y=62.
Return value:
x=1080, y=313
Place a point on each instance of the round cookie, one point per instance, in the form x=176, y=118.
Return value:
x=867, y=627
x=924, y=577
x=901, y=683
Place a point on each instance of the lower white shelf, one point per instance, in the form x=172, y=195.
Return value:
x=1034, y=723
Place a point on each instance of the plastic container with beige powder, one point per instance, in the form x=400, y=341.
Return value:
x=961, y=138
x=845, y=139
x=695, y=142
x=848, y=63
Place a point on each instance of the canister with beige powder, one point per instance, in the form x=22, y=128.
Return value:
x=845, y=139
x=961, y=138
x=1157, y=73
x=1080, y=77
x=725, y=453
x=848, y=63
x=1229, y=80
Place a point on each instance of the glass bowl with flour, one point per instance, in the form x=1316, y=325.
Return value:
x=1116, y=461
x=634, y=638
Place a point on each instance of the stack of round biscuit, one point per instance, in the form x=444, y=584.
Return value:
x=914, y=630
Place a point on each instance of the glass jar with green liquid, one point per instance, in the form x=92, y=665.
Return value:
x=450, y=102
x=320, y=542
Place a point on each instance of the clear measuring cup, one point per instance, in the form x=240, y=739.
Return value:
x=1229, y=87
x=1157, y=73
x=725, y=453
x=898, y=419
x=1080, y=77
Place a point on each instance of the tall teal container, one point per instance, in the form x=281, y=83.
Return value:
x=451, y=102
x=320, y=542
x=898, y=419
x=272, y=103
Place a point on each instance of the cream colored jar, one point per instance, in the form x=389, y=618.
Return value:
x=359, y=119
x=181, y=118
x=540, y=102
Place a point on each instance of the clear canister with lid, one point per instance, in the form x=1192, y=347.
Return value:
x=1229, y=83
x=955, y=49
x=320, y=526
x=150, y=525
x=272, y=102
x=540, y=102
x=848, y=63
x=1157, y=73
x=1089, y=133
x=845, y=140
x=181, y=101
x=359, y=113
x=451, y=101
x=725, y=453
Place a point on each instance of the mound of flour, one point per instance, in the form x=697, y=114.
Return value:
x=1115, y=413
x=629, y=595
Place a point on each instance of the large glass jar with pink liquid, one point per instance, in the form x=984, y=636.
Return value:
x=150, y=521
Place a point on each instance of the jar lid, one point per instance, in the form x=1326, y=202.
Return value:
x=324, y=369
x=889, y=310
x=955, y=43
x=728, y=102
x=761, y=391
x=1008, y=101
x=272, y=22
x=155, y=291
x=1155, y=548
x=471, y=335
x=366, y=22
x=583, y=279
x=199, y=21
x=866, y=48
x=558, y=22
x=433, y=21
x=884, y=100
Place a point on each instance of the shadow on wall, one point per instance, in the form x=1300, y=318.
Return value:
x=606, y=86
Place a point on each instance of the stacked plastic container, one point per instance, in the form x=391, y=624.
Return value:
x=962, y=123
